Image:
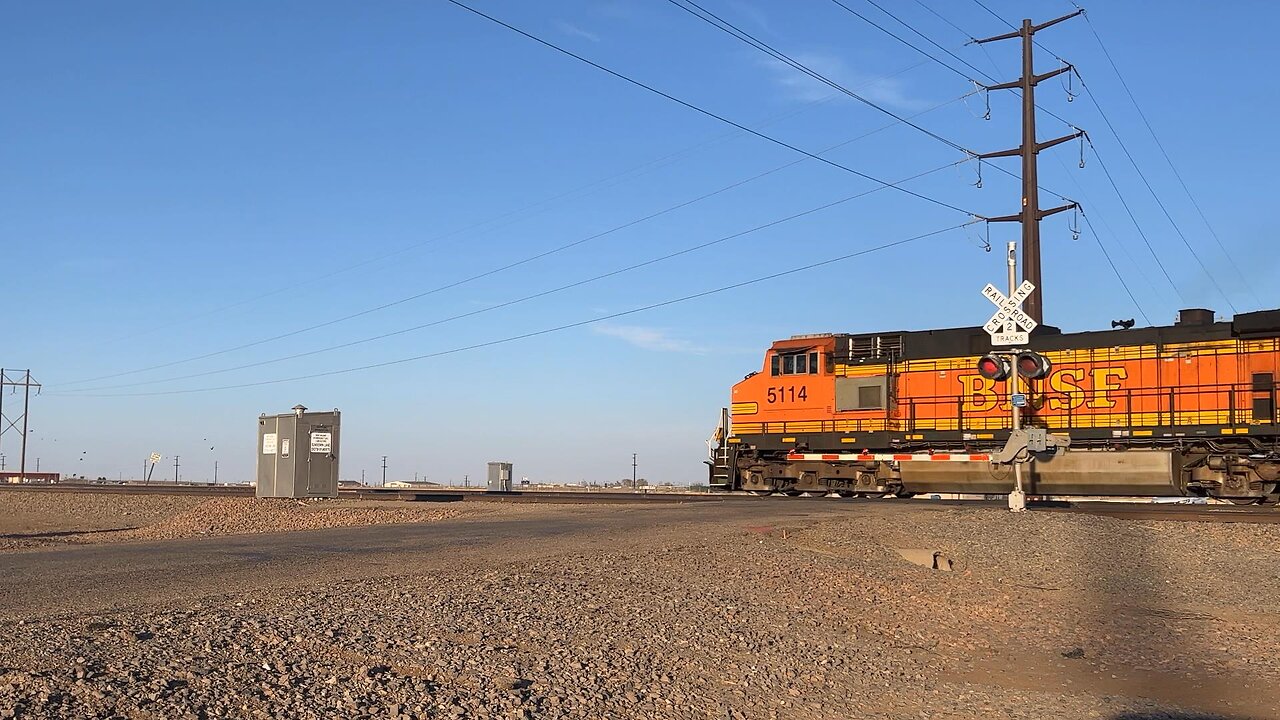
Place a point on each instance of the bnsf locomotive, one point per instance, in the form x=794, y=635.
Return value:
x=1186, y=409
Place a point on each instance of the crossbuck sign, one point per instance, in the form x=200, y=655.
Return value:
x=1003, y=326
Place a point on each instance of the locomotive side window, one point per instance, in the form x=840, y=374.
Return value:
x=795, y=364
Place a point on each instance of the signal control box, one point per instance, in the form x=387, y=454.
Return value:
x=298, y=454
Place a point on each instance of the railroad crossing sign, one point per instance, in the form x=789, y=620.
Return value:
x=1003, y=326
x=155, y=458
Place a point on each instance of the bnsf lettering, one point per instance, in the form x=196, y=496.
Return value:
x=1069, y=388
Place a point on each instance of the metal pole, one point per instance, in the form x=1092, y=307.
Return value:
x=466, y=481
x=1030, y=215
x=215, y=472
x=175, y=469
x=384, y=470
x=26, y=411
x=1017, y=498
x=1030, y=183
x=633, y=471
x=4, y=425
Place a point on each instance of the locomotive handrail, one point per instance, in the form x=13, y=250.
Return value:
x=1173, y=406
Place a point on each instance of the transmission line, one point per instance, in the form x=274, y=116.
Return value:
x=527, y=298
x=1154, y=196
x=496, y=223
x=704, y=111
x=996, y=67
x=566, y=326
x=1120, y=141
x=1167, y=159
x=716, y=21
x=1114, y=269
x=953, y=69
x=524, y=261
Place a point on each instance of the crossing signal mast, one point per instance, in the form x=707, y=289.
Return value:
x=1031, y=214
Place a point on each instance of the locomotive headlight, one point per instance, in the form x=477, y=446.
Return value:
x=1033, y=366
x=993, y=367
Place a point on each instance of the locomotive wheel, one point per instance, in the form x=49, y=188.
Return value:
x=1271, y=498
x=791, y=493
x=760, y=493
x=846, y=493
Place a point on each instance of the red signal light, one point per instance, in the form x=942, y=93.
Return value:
x=993, y=367
x=1033, y=366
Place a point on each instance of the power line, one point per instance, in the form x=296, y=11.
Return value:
x=1154, y=196
x=566, y=326
x=1107, y=226
x=1114, y=269
x=703, y=111
x=515, y=214
x=974, y=40
x=961, y=73
x=526, y=298
x=509, y=266
x=724, y=25
x=990, y=59
x=1093, y=98
x=1167, y=159
x=1145, y=240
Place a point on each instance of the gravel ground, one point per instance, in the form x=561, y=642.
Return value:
x=753, y=616
x=36, y=519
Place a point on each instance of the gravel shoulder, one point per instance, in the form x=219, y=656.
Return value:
x=34, y=520
x=749, y=610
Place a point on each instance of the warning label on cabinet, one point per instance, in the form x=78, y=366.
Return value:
x=321, y=442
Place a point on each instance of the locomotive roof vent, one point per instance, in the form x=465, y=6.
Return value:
x=1195, y=316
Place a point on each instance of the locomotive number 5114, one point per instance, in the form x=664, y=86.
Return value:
x=787, y=393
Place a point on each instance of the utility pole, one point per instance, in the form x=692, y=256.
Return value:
x=633, y=471
x=7, y=424
x=362, y=477
x=175, y=469
x=1031, y=214
x=384, y=471
x=215, y=472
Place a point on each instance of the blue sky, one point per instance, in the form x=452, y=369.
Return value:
x=181, y=179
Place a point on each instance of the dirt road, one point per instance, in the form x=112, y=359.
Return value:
x=736, y=610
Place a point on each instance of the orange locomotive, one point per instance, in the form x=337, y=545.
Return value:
x=1186, y=409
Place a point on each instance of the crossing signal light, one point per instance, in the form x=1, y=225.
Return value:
x=1033, y=366
x=993, y=367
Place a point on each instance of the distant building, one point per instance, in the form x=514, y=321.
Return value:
x=411, y=484
x=16, y=477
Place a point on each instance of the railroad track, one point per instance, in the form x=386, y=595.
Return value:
x=1124, y=510
x=415, y=495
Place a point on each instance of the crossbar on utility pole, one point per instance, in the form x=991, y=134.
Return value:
x=1031, y=214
